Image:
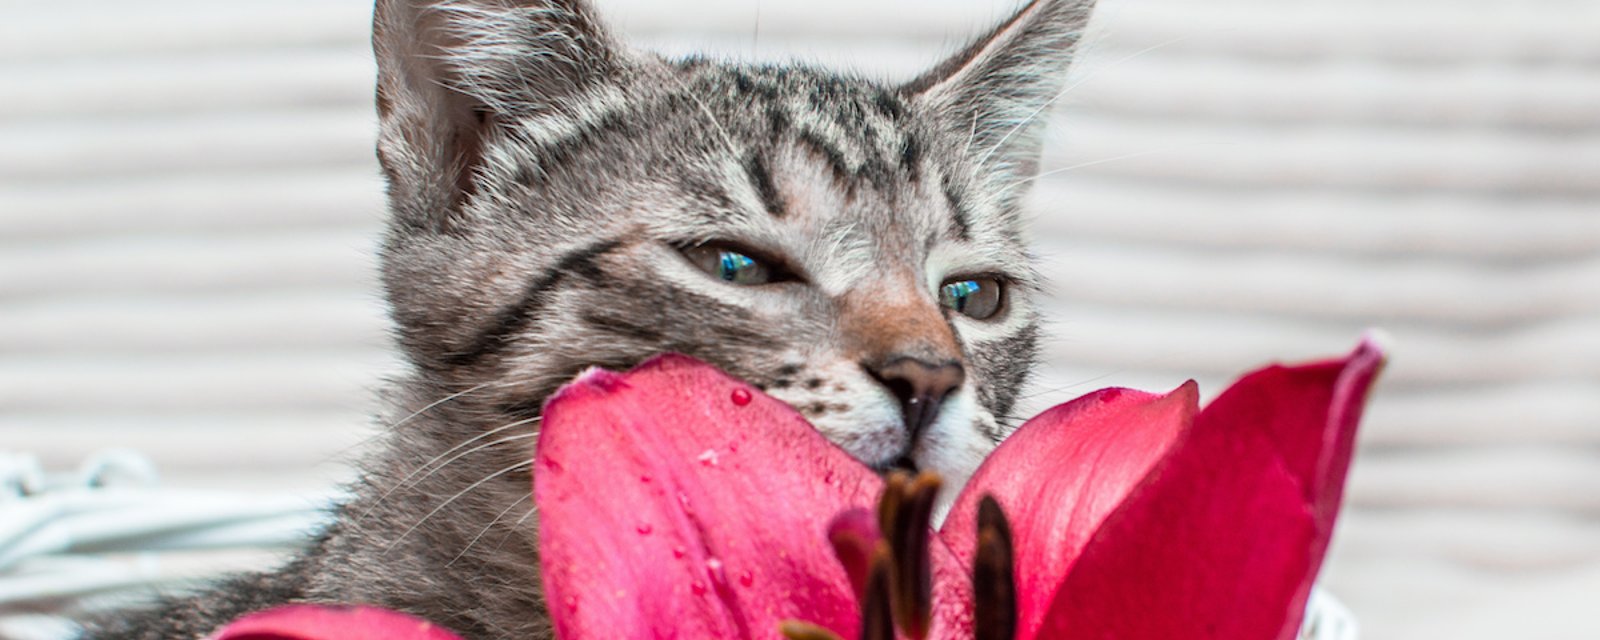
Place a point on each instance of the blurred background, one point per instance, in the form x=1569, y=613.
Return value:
x=189, y=207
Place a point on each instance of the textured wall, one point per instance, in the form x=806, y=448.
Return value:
x=189, y=202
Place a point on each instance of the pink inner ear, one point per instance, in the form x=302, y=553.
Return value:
x=1060, y=475
x=678, y=502
x=315, y=622
x=1227, y=536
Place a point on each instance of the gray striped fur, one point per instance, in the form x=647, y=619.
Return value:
x=543, y=179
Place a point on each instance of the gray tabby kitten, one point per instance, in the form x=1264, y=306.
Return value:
x=560, y=201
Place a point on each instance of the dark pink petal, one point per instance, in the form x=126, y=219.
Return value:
x=952, y=593
x=854, y=534
x=1060, y=475
x=677, y=502
x=316, y=622
x=1227, y=536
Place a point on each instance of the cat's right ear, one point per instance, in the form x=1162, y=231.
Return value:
x=997, y=92
x=452, y=72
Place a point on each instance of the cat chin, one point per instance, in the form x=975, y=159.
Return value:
x=954, y=446
x=867, y=424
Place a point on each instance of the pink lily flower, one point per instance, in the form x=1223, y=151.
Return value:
x=677, y=502
x=320, y=622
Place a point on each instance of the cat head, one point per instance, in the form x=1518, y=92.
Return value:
x=855, y=248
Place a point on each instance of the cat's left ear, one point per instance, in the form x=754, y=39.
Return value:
x=453, y=73
x=998, y=91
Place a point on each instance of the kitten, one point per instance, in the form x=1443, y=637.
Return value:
x=560, y=201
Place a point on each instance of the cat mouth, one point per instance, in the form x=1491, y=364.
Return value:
x=902, y=463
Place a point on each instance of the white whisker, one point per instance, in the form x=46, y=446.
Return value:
x=515, y=526
x=380, y=431
x=436, y=403
x=1069, y=386
x=1117, y=158
x=446, y=463
x=489, y=526
x=420, y=468
x=457, y=496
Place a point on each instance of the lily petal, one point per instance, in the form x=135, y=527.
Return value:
x=1226, y=537
x=1058, y=478
x=854, y=535
x=316, y=622
x=678, y=502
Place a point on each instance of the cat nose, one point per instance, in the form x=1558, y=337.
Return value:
x=921, y=387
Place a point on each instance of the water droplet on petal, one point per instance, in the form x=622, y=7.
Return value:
x=699, y=588
x=645, y=528
x=551, y=464
x=679, y=552
x=644, y=479
x=733, y=447
x=741, y=396
x=572, y=603
x=708, y=458
x=714, y=568
x=746, y=578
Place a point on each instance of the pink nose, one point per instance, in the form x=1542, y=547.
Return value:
x=920, y=386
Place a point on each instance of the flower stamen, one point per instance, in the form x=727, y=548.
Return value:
x=797, y=630
x=903, y=516
x=891, y=568
x=994, y=587
x=877, y=619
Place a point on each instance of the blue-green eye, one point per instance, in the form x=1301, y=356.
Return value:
x=728, y=265
x=978, y=298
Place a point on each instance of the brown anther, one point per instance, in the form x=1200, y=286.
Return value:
x=877, y=620
x=797, y=630
x=904, y=513
x=915, y=578
x=891, y=502
x=994, y=586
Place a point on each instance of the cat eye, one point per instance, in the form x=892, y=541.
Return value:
x=729, y=265
x=977, y=298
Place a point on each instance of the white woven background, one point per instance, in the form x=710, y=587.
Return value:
x=189, y=204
